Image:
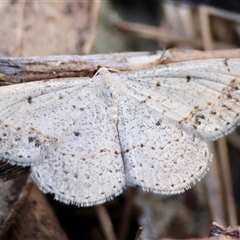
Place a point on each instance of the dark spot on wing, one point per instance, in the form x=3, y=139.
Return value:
x=159, y=122
x=197, y=119
x=29, y=99
x=37, y=143
x=213, y=112
x=76, y=133
x=226, y=62
x=188, y=78
x=158, y=84
x=34, y=139
x=196, y=108
x=30, y=139
x=227, y=107
x=17, y=139
x=75, y=175
x=144, y=101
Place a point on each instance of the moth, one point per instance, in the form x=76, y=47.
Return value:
x=86, y=139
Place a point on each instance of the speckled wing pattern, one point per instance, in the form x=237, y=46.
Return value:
x=166, y=115
x=30, y=120
x=86, y=139
x=159, y=164
x=64, y=131
x=87, y=167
